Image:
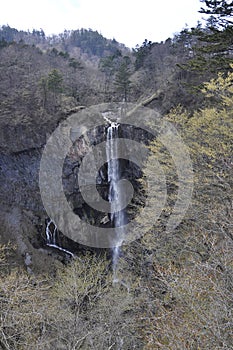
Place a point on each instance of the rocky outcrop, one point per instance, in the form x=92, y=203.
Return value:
x=23, y=217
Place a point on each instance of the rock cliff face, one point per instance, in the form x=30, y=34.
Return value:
x=23, y=217
x=22, y=213
x=128, y=170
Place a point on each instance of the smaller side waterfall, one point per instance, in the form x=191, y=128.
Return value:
x=51, y=237
x=115, y=193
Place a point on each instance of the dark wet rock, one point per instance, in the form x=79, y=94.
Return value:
x=23, y=217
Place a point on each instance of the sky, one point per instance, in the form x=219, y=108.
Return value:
x=128, y=21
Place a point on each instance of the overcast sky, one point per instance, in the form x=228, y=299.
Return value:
x=128, y=21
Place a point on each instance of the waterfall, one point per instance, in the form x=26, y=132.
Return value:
x=51, y=237
x=115, y=193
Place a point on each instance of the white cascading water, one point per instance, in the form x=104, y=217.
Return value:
x=114, y=197
x=115, y=193
x=51, y=237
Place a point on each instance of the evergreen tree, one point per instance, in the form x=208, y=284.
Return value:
x=141, y=52
x=213, y=52
x=109, y=66
x=219, y=35
x=221, y=10
x=55, y=81
x=52, y=84
x=122, y=79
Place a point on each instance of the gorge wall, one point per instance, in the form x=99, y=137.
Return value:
x=23, y=217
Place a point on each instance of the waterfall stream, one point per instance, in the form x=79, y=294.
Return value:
x=115, y=192
x=115, y=197
x=51, y=237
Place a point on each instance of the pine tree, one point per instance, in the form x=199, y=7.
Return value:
x=109, y=66
x=221, y=10
x=55, y=81
x=122, y=79
x=51, y=87
x=141, y=52
x=215, y=42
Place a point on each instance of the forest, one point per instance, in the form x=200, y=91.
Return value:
x=174, y=288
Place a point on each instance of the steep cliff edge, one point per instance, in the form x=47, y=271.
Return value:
x=22, y=213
